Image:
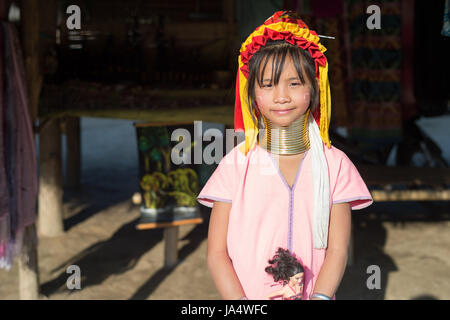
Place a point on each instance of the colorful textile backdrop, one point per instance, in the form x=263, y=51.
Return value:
x=376, y=62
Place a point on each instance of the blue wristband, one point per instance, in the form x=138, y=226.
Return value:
x=320, y=296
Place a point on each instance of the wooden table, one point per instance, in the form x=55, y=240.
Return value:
x=170, y=236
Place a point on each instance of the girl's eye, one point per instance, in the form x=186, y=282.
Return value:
x=267, y=85
x=295, y=83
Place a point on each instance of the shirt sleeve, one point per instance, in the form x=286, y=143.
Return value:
x=350, y=187
x=220, y=185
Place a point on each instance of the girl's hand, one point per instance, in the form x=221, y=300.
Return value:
x=335, y=262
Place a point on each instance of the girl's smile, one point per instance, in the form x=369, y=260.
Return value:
x=283, y=111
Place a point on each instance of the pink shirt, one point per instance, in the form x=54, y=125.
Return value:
x=266, y=213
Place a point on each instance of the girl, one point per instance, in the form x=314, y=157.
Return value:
x=285, y=185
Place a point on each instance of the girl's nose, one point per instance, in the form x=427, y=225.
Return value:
x=281, y=96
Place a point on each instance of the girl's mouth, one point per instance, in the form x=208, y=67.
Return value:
x=283, y=111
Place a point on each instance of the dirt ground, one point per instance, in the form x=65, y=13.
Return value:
x=410, y=242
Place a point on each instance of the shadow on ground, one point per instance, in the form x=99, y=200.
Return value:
x=369, y=242
x=113, y=256
x=95, y=197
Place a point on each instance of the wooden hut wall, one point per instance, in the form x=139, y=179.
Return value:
x=180, y=42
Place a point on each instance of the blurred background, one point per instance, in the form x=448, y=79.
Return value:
x=158, y=63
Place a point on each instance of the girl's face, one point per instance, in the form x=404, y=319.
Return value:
x=288, y=100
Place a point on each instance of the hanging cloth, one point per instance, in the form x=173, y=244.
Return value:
x=18, y=157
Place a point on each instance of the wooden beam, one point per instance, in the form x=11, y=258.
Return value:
x=411, y=195
x=154, y=225
x=219, y=114
x=160, y=124
x=382, y=175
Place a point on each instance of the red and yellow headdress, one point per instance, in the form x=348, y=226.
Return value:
x=287, y=26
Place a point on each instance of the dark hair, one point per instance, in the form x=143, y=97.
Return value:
x=279, y=49
x=284, y=265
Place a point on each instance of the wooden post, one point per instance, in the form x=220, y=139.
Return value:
x=28, y=266
x=30, y=42
x=50, y=221
x=28, y=261
x=73, y=169
x=171, y=246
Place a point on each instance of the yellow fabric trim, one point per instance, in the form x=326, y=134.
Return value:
x=325, y=104
x=251, y=131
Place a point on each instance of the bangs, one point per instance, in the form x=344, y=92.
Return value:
x=277, y=58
